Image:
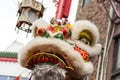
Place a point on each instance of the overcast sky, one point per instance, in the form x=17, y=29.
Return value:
x=8, y=18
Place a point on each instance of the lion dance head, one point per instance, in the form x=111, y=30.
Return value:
x=59, y=50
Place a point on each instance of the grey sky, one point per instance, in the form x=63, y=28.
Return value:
x=8, y=18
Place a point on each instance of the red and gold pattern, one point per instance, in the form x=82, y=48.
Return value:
x=83, y=53
x=66, y=31
x=59, y=26
x=46, y=58
x=54, y=29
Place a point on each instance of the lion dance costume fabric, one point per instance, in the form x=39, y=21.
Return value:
x=60, y=51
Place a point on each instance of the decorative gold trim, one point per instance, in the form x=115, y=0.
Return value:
x=46, y=58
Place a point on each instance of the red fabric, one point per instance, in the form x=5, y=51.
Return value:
x=63, y=8
x=18, y=78
x=66, y=8
x=60, y=7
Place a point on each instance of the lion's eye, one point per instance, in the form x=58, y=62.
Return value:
x=85, y=41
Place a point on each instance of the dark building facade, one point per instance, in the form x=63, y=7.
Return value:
x=107, y=64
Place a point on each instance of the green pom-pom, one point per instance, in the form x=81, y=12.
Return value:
x=70, y=32
x=59, y=36
x=47, y=35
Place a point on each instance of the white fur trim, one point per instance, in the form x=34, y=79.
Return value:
x=92, y=50
x=81, y=25
x=87, y=67
x=81, y=67
x=40, y=23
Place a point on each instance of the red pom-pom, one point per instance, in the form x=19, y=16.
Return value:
x=66, y=33
x=41, y=31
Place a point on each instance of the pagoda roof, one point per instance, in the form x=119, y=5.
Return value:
x=33, y=4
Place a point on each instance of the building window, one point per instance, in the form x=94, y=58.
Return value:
x=25, y=13
x=32, y=16
x=116, y=61
x=10, y=78
x=3, y=78
x=84, y=2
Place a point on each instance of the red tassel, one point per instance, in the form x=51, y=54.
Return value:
x=18, y=77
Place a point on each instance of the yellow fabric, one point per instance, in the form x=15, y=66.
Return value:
x=86, y=34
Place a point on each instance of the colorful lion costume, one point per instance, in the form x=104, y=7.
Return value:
x=62, y=47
